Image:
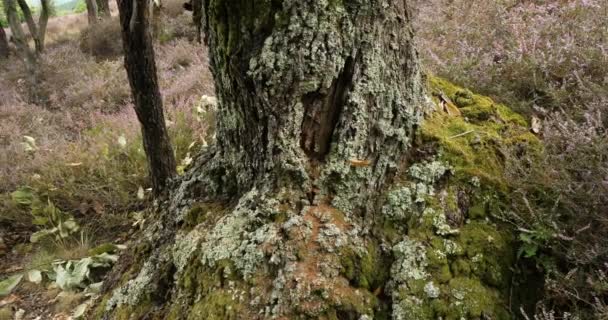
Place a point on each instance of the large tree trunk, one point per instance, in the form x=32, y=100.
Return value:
x=309, y=91
x=287, y=216
x=4, y=48
x=141, y=69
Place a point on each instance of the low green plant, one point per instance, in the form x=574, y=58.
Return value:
x=53, y=222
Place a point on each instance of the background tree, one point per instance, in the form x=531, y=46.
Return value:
x=284, y=217
x=103, y=9
x=37, y=32
x=91, y=11
x=29, y=56
x=3, y=20
x=141, y=70
x=4, y=49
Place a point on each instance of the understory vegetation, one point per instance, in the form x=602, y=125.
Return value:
x=73, y=177
x=549, y=61
x=73, y=184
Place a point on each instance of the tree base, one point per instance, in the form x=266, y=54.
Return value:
x=430, y=249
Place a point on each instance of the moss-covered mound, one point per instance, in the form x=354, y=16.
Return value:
x=429, y=249
x=455, y=262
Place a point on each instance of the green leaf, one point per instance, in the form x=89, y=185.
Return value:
x=73, y=275
x=7, y=285
x=23, y=196
x=40, y=221
x=39, y=235
x=104, y=260
x=79, y=311
x=29, y=144
x=34, y=276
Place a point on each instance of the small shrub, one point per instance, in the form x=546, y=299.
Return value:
x=103, y=39
x=559, y=205
x=178, y=27
x=80, y=85
x=530, y=54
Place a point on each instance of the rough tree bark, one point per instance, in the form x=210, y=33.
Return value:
x=91, y=11
x=141, y=70
x=103, y=7
x=287, y=215
x=4, y=48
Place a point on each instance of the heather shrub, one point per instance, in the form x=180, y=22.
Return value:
x=100, y=172
x=176, y=22
x=183, y=71
x=102, y=40
x=547, y=55
x=560, y=201
x=173, y=8
x=77, y=83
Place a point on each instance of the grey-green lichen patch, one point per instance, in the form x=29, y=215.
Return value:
x=431, y=290
x=236, y=237
x=440, y=224
x=409, y=200
x=410, y=262
x=429, y=172
x=185, y=245
x=135, y=290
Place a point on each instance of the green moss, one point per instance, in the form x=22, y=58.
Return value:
x=365, y=269
x=140, y=311
x=466, y=271
x=489, y=251
x=100, y=309
x=218, y=305
x=473, y=143
x=477, y=211
x=470, y=299
x=6, y=313
x=103, y=248
x=201, y=212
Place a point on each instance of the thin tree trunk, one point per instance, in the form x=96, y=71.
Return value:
x=18, y=37
x=4, y=48
x=42, y=23
x=104, y=8
x=37, y=32
x=91, y=11
x=197, y=17
x=31, y=24
x=141, y=69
